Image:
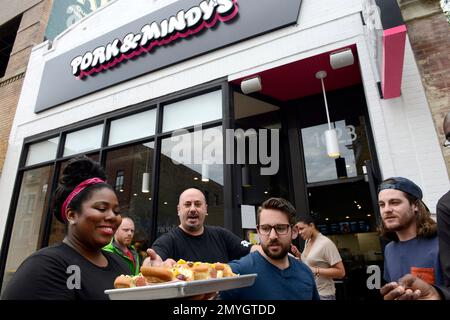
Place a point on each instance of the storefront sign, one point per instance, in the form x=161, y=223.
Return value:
x=179, y=31
x=155, y=34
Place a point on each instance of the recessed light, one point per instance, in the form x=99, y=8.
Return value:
x=326, y=219
x=369, y=215
x=165, y=202
x=121, y=190
x=135, y=194
x=347, y=217
x=266, y=192
x=195, y=178
x=150, y=199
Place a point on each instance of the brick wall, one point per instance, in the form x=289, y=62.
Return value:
x=430, y=41
x=31, y=32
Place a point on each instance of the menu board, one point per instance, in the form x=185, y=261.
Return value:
x=345, y=227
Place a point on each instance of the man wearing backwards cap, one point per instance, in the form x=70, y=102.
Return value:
x=418, y=289
x=414, y=249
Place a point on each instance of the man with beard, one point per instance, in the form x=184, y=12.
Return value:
x=121, y=245
x=413, y=288
x=280, y=276
x=194, y=241
x=407, y=221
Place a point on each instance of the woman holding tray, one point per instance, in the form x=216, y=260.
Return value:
x=77, y=268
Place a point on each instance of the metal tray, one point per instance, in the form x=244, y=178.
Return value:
x=179, y=289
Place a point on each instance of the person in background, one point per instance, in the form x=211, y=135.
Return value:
x=121, y=245
x=443, y=223
x=414, y=248
x=192, y=240
x=77, y=268
x=280, y=276
x=322, y=256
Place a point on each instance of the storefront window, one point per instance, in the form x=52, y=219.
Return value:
x=28, y=222
x=42, y=151
x=197, y=110
x=129, y=170
x=193, y=167
x=133, y=127
x=83, y=140
x=352, y=146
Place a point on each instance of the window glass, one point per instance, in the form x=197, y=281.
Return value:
x=193, y=167
x=42, y=151
x=189, y=112
x=83, y=140
x=353, y=148
x=129, y=171
x=133, y=127
x=29, y=218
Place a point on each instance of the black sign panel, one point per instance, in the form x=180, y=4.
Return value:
x=180, y=31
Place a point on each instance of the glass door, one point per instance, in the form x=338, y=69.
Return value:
x=338, y=193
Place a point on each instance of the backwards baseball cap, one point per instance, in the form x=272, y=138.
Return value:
x=402, y=184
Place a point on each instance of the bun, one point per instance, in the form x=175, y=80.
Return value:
x=157, y=274
x=123, y=281
x=201, y=272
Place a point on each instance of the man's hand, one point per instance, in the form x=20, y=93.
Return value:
x=409, y=287
x=154, y=260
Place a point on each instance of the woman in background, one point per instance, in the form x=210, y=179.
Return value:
x=322, y=256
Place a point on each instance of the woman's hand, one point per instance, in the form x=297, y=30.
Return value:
x=296, y=252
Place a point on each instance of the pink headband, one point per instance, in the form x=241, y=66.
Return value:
x=83, y=185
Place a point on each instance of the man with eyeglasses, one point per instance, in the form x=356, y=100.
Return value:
x=280, y=276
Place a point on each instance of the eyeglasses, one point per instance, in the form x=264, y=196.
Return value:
x=280, y=229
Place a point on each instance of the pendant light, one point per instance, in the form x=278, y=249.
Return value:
x=146, y=176
x=330, y=134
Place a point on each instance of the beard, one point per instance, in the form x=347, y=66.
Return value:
x=276, y=255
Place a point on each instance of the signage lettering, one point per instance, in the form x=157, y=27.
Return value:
x=155, y=34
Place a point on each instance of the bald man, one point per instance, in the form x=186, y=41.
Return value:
x=121, y=245
x=193, y=241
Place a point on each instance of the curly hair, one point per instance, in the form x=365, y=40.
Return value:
x=77, y=170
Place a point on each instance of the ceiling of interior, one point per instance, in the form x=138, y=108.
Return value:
x=297, y=79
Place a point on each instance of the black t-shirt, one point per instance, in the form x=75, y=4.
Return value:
x=443, y=225
x=51, y=274
x=216, y=244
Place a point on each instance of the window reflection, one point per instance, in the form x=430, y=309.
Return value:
x=30, y=215
x=125, y=169
x=182, y=158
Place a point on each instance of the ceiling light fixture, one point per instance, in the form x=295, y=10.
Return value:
x=251, y=85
